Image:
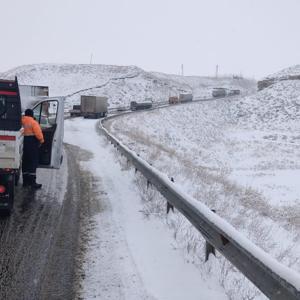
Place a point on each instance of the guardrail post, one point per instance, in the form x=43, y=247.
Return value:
x=209, y=249
x=169, y=205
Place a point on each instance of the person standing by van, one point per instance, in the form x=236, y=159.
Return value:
x=33, y=138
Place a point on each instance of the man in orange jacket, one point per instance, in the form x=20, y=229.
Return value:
x=33, y=138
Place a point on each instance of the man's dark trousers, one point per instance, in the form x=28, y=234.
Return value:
x=30, y=159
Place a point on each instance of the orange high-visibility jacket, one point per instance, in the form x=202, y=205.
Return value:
x=32, y=128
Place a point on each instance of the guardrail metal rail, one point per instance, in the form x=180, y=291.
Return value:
x=275, y=280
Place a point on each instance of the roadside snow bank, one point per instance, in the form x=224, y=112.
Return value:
x=128, y=256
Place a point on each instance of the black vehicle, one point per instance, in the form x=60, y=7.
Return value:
x=140, y=105
x=219, y=92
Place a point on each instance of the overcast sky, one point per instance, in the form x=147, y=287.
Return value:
x=252, y=37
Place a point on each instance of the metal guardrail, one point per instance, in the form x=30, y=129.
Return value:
x=274, y=279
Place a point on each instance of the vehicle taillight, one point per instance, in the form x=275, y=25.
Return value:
x=7, y=138
x=2, y=189
x=8, y=93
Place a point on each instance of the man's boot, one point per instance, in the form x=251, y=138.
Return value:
x=35, y=185
x=26, y=180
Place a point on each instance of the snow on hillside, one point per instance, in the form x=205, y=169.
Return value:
x=291, y=73
x=285, y=73
x=64, y=79
x=274, y=108
x=121, y=84
x=239, y=156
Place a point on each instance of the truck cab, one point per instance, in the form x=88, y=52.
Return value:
x=49, y=112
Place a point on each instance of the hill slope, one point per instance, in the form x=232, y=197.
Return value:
x=121, y=84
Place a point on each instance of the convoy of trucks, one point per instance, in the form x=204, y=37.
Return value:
x=49, y=112
x=223, y=92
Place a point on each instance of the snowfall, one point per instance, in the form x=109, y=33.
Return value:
x=239, y=156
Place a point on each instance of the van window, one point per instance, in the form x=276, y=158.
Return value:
x=46, y=113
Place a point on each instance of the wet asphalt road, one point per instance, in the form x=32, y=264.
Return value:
x=39, y=246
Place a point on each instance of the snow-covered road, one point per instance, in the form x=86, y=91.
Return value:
x=128, y=256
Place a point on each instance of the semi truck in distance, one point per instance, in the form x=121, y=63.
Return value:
x=93, y=107
x=219, y=92
x=173, y=100
x=223, y=92
x=234, y=92
x=141, y=105
x=33, y=91
x=185, y=98
x=76, y=111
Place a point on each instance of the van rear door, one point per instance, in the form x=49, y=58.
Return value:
x=50, y=115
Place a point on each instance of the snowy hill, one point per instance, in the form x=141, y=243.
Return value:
x=121, y=84
x=274, y=108
x=291, y=73
x=286, y=73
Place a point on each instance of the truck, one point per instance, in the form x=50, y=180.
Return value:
x=93, y=107
x=140, y=105
x=29, y=93
x=219, y=92
x=33, y=90
x=76, y=111
x=49, y=112
x=185, y=98
x=234, y=92
x=173, y=100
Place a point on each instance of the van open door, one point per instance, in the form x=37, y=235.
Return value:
x=49, y=113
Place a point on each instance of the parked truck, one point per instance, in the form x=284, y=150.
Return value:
x=173, y=100
x=93, y=107
x=219, y=92
x=185, y=97
x=76, y=111
x=140, y=105
x=234, y=92
x=49, y=112
x=29, y=93
x=33, y=90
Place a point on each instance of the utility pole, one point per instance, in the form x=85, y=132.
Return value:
x=182, y=69
x=217, y=70
x=91, y=59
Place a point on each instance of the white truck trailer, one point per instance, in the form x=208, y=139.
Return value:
x=49, y=112
x=185, y=97
x=93, y=107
